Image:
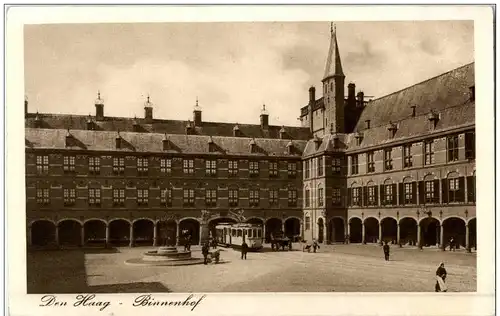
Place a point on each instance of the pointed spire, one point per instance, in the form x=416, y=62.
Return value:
x=333, y=63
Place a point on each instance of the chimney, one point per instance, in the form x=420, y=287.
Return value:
x=351, y=91
x=367, y=124
x=118, y=141
x=189, y=128
x=99, y=107
x=312, y=95
x=148, y=111
x=413, y=110
x=25, y=106
x=136, y=125
x=197, y=114
x=264, y=118
x=361, y=99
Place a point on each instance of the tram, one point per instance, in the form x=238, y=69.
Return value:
x=233, y=235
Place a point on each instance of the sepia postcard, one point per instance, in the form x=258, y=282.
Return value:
x=241, y=160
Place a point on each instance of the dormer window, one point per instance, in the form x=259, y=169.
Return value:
x=189, y=128
x=282, y=133
x=367, y=124
x=336, y=143
x=393, y=128
x=289, y=147
x=317, y=142
x=433, y=118
x=136, y=125
x=211, y=145
x=413, y=110
x=359, y=138
x=166, y=143
x=253, y=146
x=236, y=131
x=118, y=141
x=472, y=93
x=38, y=121
x=69, y=139
x=90, y=124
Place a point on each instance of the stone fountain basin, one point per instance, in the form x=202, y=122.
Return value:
x=157, y=255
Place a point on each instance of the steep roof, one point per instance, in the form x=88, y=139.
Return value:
x=84, y=140
x=333, y=64
x=122, y=124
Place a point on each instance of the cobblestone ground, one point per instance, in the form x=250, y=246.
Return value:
x=339, y=268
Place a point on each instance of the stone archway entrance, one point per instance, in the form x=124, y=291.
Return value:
x=389, y=230
x=408, y=231
x=292, y=227
x=143, y=232
x=190, y=227
x=119, y=232
x=454, y=227
x=430, y=231
x=216, y=221
x=337, y=233
x=70, y=233
x=273, y=226
x=371, y=230
x=43, y=233
x=95, y=232
x=355, y=230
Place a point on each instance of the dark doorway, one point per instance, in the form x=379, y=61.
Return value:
x=273, y=226
x=337, y=226
x=143, y=232
x=454, y=227
x=430, y=230
x=292, y=228
x=95, y=232
x=217, y=221
x=43, y=233
x=119, y=232
x=371, y=230
x=190, y=227
x=355, y=230
x=70, y=233
x=167, y=233
x=389, y=230
x=321, y=230
x=408, y=231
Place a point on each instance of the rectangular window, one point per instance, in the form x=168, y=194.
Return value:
x=95, y=197
x=69, y=196
x=142, y=166
x=166, y=197
x=388, y=159
x=336, y=165
x=306, y=168
x=292, y=170
x=336, y=196
x=453, y=190
x=370, y=163
x=233, y=167
x=292, y=197
x=388, y=194
x=407, y=158
x=320, y=197
x=429, y=152
x=69, y=164
x=254, y=197
x=372, y=196
x=356, y=200
x=273, y=169
x=307, y=200
x=320, y=166
x=188, y=197
x=470, y=145
x=43, y=196
x=254, y=168
x=42, y=164
x=408, y=192
x=354, y=164
x=142, y=196
x=119, y=197
x=210, y=197
x=233, y=197
x=452, y=142
x=308, y=223
x=166, y=165
x=94, y=165
x=188, y=166
x=118, y=165
x=273, y=196
x=429, y=192
x=211, y=167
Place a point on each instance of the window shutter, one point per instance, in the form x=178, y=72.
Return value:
x=394, y=194
x=382, y=195
x=444, y=190
x=461, y=189
x=401, y=194
x=376, y=194
x=470, y=189
x=414, y=192
x=436, y=191
x=421, y=192
x=349, y=196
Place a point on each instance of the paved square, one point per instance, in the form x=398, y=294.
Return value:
x=339, y=268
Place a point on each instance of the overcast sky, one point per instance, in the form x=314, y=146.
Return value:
x=233, y=68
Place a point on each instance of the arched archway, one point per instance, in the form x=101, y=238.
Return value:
x=408, y=231
x=43, y=233
x=454, y=227
x=273, y=226
x=389, y=230
x=191, y=227
x=216, y=221
x=430, y=231
x=119, y=232
x=166, y=233
x=472, y=234
x=255, y=221
x=355, y=230
x=321, y=230
x=143, y=232
x=371, y=230
x=292, y=227
x=70, y=233
x=336, y=227
x=95, y=232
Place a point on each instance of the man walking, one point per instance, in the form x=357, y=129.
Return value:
x=315, y=245
x=204, y=250
x=386, y=251
x=244, y=250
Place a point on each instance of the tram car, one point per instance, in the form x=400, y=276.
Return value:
x=233, y=235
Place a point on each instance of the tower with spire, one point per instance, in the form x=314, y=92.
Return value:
x=333, y=86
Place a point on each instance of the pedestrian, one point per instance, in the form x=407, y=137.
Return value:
x=244, y=250
x=452, y=244
x=205, y=250
x=214, y=243
x=440, y=279
x=315, y=245
x=386, y=251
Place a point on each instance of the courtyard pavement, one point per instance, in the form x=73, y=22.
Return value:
x=337, y=268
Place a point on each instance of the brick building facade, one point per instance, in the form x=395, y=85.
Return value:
x=398, y=168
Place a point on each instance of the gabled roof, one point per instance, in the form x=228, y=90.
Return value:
x=42, y=138
x=122, y=124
